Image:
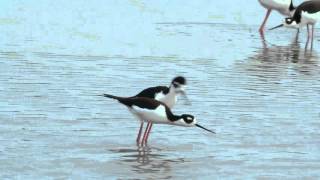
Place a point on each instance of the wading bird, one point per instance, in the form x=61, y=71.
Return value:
x=284, y=7
x=306, y=14
x=153, y=111
x=167, y=95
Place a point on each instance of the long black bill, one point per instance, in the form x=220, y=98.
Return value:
x=276, y=27
x=188, y=102
x=204, y=128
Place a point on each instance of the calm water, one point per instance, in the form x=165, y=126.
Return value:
x=261, y=97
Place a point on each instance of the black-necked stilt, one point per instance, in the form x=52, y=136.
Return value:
x=167, y=95
x=151, y=110
x=307, y=13
x=284, y=7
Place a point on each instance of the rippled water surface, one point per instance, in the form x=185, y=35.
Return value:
x=261, y=97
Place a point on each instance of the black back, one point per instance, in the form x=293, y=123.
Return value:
x=145, y=103
x=152, y=91
x=141, y=102
x=311, y=7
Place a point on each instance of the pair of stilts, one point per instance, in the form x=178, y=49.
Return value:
x=307, y=12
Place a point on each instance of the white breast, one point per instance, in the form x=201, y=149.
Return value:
x=169, y=99
x=157, y=115
x=282, y=6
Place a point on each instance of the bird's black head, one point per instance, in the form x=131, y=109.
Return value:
x=188, y=119
x=291, y=23
x=288, y=20
x=179, y=84
x=178, y=81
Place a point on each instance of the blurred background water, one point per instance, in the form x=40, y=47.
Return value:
x=261, y=97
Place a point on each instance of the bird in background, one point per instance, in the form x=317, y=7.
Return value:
x=167, y=95
x=153, y=111
x=284, y=7
x=306, y=14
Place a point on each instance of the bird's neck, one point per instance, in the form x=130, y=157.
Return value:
x=175, y=118
x=172, y=90
x=172, y=117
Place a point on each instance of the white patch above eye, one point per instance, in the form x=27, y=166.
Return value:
x=189, y=118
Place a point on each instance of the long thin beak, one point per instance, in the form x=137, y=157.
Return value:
x=205, y=128
x=276, y=27
x=183, y=93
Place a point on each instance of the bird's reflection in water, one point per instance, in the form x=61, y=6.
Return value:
x=149, y=162
x=277, y=58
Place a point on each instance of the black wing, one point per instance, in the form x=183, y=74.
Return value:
x=141, y=102
x=145, y=103
x=307, y=6
x=151, y=92
x=310, y=6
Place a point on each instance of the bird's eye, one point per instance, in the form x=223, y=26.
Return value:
x=188, y=120
x=288, y=20
x=175, y=85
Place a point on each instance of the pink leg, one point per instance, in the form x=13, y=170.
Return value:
x=140, y=131
x=265, y=21
x=308, y=31
x=307, y=43
x=145, y=133
x=312, y=36
x=149, y=130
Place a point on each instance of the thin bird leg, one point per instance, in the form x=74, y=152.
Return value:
x=265, y=21
x=312, y=36
x=308, y=36
x=296, y=39
x=308, y=31
x=297, y=34
x=149, y=130
x=145, y=133
x=140, y=131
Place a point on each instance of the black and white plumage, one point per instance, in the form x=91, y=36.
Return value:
x=164, y=94
x=307, y=13
x=284, y=7
x=151, y=110
x=167, y=95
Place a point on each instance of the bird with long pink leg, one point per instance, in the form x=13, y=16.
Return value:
x=284, y=7
x=306, y=14
x=153, y=111
x=164, y=94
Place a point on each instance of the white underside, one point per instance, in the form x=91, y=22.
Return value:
x=282, y=6
x=156, y=116
x=307, y=18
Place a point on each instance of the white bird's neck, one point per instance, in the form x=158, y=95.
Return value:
x=170, y=99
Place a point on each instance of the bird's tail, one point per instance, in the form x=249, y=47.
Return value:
x=112, y=96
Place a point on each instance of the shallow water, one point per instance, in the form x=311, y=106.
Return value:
x=261, y=97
